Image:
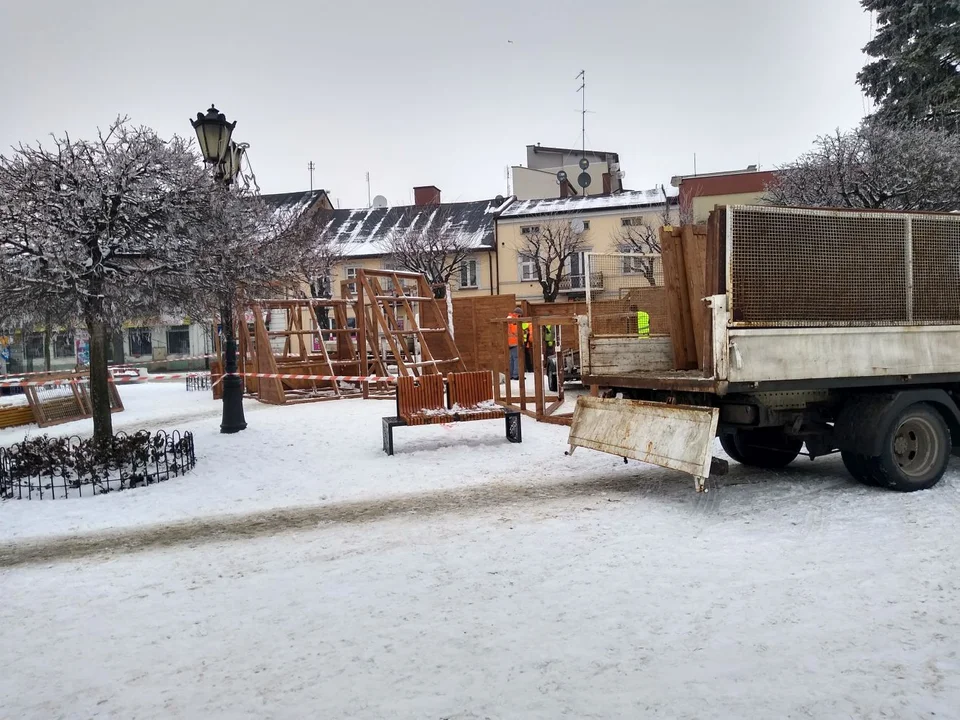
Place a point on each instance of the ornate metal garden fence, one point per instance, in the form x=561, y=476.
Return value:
x=198, y=381
x=50, y=468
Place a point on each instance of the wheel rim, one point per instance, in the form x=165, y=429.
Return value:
x=916, y=446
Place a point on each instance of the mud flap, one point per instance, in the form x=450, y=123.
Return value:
x=679, y=437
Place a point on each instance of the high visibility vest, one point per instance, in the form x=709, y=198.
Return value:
x=643, y=324
x=548, y=335
x=512, y=331
x=527, y=335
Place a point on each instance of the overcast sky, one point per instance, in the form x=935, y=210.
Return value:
x=424, y=92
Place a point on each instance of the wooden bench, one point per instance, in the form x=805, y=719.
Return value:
x=469, y=396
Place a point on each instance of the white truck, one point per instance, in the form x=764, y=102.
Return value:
x=831, y=329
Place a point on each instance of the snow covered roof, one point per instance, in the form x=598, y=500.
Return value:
x=294, y=203
x=590, y=203
x=367, y=231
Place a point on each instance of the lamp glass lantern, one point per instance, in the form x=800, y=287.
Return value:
x=230, y=167
x=213, y=134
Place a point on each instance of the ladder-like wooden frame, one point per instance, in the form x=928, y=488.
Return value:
x=379, y=307
x=303, y=353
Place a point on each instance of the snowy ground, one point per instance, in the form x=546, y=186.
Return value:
x=488, y=581
x=299, y=455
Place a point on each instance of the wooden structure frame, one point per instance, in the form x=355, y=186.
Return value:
x=399, y=311
x=67, y=408
x=545, y=405
x=303, y=353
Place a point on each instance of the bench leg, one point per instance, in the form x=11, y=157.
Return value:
x=387, y=436
x=514, y=432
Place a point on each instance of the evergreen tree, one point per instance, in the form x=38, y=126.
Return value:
x=916, y=73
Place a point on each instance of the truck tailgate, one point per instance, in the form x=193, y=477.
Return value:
x=679, y=437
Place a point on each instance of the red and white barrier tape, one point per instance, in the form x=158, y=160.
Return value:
x=180, y=376
x=125, y=367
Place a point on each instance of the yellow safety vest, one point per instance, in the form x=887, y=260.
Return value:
x=643, y=324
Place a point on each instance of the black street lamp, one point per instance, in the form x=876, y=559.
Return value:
x=214, y=135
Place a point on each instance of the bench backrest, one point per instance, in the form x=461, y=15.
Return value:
x=416, y=394
x=469, y=389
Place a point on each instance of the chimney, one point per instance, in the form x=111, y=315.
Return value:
x=426, y=195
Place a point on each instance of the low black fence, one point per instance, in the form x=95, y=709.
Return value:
x=198, y=381
x=55, y=467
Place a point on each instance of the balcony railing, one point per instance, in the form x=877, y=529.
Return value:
x=578, y=283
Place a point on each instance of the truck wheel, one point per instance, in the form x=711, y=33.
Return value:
x=728, y=441
x=769, y=448
x=858, y=466
x=915, y=450
x=552, y=374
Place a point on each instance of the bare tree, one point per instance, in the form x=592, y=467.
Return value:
x=95, y=224
x=549, y=247
x=429, y=241
x=325, y=253
x=912, y=168
x=640, y=235
x=242, y=249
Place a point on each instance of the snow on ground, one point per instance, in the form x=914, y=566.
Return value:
x=297, y=455
x=805, y=598
x=611, y=591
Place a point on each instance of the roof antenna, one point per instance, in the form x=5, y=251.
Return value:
x=583, y=180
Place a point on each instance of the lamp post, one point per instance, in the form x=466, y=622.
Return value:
x=218, y=149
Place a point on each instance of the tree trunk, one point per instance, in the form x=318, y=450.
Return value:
x=47, y=360
x=99, y=379
x=27, y=358
x=118, y=347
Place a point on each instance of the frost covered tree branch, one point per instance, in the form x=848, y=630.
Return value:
x=429, y=242
x=875, y=166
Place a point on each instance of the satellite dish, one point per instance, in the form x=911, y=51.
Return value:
x=380, y=201
x=562, y=177
x=583, y=180
x=577, y=226
x=584, y=163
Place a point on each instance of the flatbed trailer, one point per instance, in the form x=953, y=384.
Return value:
x=830, y=329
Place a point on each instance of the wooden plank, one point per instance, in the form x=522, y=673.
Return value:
x=616, y=356
x=712, y=286
x=695, y=263
x=678, y=302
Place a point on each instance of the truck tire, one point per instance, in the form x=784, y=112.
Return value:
x=858, y=467
x=915, y=450
x=728, y=441
x=552, y=373
x=769, y=448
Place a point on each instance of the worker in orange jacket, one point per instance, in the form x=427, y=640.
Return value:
x=512, y=342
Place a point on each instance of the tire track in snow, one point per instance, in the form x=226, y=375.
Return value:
x=237, y=527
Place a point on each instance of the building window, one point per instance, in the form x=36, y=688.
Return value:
x=528, y=268
x=178, y=340
x=468, y=274
x=631, y=221
x=386, y=284
x=35, y=346
x=352, y=275
x=529, y=229
x=141, y=341
x=63, y=345
x=586, y=224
